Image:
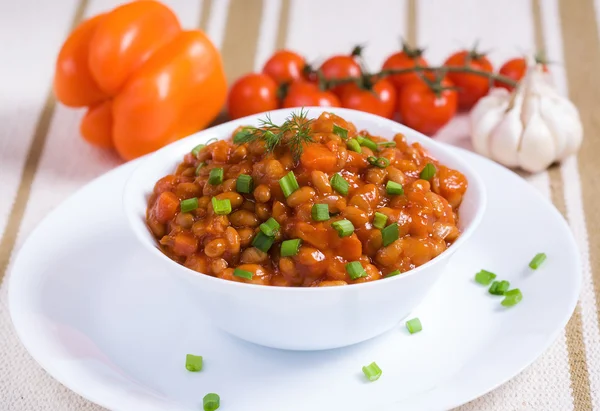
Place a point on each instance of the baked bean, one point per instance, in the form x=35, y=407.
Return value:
x=253, y=255
x=274, y=169
x=263, y=211
x=243, y=218
x=203, y=202
x=239, y=153
x=335, y=202
x=248, y=205
x=246, y=234
x=320, y=182
x=234, y=198
x=233, y=240
x=228, y=185
x=279, y=212
x=262, y=193
x=376, y=175
x=218, y=265
x=396, y=175
x=357, y=216
x=187, y=190
x=300, y=196
x=215, y=248
x=185, y=220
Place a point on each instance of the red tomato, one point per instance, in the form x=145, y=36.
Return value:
x=380, y=100
x=472, y=86
x=341, y=66
x=284, y=66
x=305, y=94
x=425, y=110
x=406, y=58
x=515, y=69
x=251, y=94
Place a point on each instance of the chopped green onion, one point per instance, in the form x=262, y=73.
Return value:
x=355, y=270
x=270, y=227
x=499, y=287
x=393, y=188
x=241, y=136
x=216, y=176
x=342, y=132
x=202, y=164
x=193, y=363
x=262, y=241
x=197, y=149
x=243, y=274
x=537, y=261
x=244, y=184
x=221, y=207
x=211, y=402
x=343, y=227
x=380, y=162
x=386, y=144
x=428, y=172
x=512, y=297
x=390, y=234
x=366, y=142
x=353, y=145
x=290, y=247
x=339, y=184
x=372, y=371
x=485, y=277
x=414, y=325
x=320, y=212
x=380, y=220
x=189, y=204
x=392, y=273
x=288, y=184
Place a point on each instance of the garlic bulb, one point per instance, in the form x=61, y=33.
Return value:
x=530, y=127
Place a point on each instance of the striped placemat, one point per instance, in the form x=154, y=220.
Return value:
x=42, y=159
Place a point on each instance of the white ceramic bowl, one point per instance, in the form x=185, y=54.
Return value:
x=302, y=318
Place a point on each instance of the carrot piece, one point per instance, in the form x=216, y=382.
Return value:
x=165, y=207
x=185, y=244
x=349, y=248
x=318, y=157
x=316, y=236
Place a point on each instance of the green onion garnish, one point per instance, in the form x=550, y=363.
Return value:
x=512, y=297
x=339, y=184
x=353, y=145
x=243, y=274
x=193, y=363
x=216, y=176
x=290, y=248
x=244, y=184
x=428, y=172
x=393, y=188
x=366, y=142
x=320, y=212
x=372, y=371
x=270, y=227
x=241, y=136
x=355, y=270
x=288, y=184
x=499, y=287
x=485, y=277
x=414, y=325
x=197, y=149
x=380, y=162
x=262, y=241
x=211, y=402
x=537, y=261
x=189, y=204
x=390, y=234
x=221, y=207
x=386, y=144
x=343, y=227
x=342, y=132
x=392, y=273
x=380, y=220
x=202, y=164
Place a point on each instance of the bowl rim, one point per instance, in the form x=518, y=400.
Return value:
x=143, y=235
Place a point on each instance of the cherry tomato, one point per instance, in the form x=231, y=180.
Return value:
x=425, y=110
x=380, y=100
x=406, y=58
x=284, y=66
x=515, y=69
x=251, y=94
x=304, y=94
x=341, y=66
x=471, y=86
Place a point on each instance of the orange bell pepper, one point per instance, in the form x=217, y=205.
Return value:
x=145, y=81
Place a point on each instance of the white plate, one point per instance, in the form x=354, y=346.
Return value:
x=112, y=327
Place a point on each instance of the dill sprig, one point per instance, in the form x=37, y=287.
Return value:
x=293, y=133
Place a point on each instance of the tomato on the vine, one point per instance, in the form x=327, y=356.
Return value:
x=304, y=94
x=341, y=66
x=285, y=66
x=378, y=99
x=427, y=107
x=407, y=58
x=471, y=86
x=515, y=69
x=251, y=94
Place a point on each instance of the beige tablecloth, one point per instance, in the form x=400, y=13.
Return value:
x=43, y=159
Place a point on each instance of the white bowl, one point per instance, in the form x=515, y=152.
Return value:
x=312, y=318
